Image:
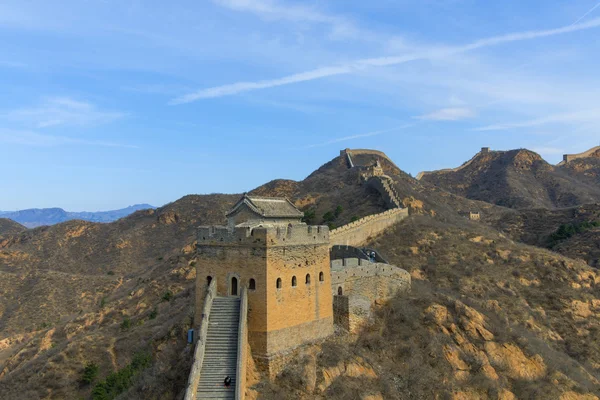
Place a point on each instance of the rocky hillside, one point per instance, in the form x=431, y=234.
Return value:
x=35, y=217
x=521, y=179
x=8, y=227
x=585, y=169
x=488, y=317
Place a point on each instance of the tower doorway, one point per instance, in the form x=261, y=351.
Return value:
x=233, y=289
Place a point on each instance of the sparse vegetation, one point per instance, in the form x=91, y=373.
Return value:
x=167, y=296
x=118, y=382
x=126, y=324
x=328, y=216
x=153, y=314
x=338, y=211
x=90, y=372
x=566, y=231
x=309, y=216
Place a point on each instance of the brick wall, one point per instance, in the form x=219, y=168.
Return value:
x=209, y=292
x=360, y=232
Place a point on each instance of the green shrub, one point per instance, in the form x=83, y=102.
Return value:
x=90, y=372
x=167, y=296
x=103, y=302
x=309, y=216
x=153, y=314
x=328, y=217
x=566, y=231
x=118, y=382
x=338, y=211
x=354, y=218
x=126, y=324
x=110, y=273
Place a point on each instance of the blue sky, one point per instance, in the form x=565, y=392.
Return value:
x=108, y=103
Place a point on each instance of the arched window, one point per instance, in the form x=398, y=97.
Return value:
x=294, y=284
x=308, y=279
x=252, y=284
x=208, y=280
x=234, y=286
x=278, y=283
x=321, y=277
x=340, y=291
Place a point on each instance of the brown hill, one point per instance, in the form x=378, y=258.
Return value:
x=487, y=319
x=9, y=227
x=586, y=169
x=517, y=179
x=569, y=231
x=79, y=293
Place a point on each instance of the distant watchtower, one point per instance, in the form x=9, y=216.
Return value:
x=285, y=265
x=485, y=150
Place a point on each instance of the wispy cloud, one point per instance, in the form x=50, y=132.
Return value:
x=565, y=118
x=56, y=111
x=358, y=136
x=31, y=138
x=429, y=53
x=448, y=114
x=273, y=10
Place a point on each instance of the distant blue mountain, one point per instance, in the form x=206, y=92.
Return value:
x=34, y=217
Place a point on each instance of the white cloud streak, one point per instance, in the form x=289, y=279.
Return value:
x=30, y=138
x=328, y=71
x=57, y=111
x=271, y=10
x=591, y=10
x=448, y=114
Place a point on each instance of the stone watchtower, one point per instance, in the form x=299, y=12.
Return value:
x=285, y=266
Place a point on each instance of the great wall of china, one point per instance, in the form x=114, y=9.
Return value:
x=570, y=157
x=354, y=279
x=484, y=150
x=566, y=159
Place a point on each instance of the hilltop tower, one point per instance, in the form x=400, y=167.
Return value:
x=285, y=266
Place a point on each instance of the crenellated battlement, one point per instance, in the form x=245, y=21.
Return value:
x=370, y=218
x=296, y=234
x=358, y=232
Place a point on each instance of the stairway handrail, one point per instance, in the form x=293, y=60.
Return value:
x=240, y=371
x=194, y=377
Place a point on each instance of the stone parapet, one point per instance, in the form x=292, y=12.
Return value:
x=570, y=157
x=359, y=232
x=372, y=152
x=262, y=236
x=194, y=377
x=242, y=352
x=484, y=150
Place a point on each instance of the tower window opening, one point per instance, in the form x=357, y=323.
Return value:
x=278, y=283
x=294, y=283
x=321, y=277
x=340, y=291
x=252, y=284
x=234, y=286
x=308, y=279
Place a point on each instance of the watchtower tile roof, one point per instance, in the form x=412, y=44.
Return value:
x=268, y=207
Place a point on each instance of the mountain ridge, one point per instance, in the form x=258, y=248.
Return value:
x=34, y=217
x=486, y=315
x=521, y=179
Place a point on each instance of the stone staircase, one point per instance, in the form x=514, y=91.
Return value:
x=388, y=186
x=220, y=357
